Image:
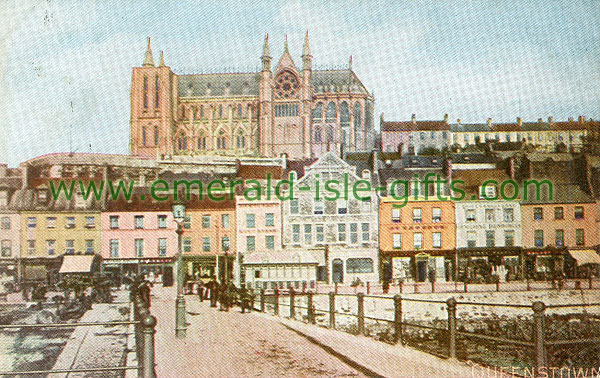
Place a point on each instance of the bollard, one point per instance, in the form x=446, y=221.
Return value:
x=332, y=310
x=360, y=297
x=398, y=337
x=292, y=304
x=262, y=300
x=276, y=301
x=433, y=286
x=451, y=327
x=311, y=309
x=147, y=361
x=538, y=333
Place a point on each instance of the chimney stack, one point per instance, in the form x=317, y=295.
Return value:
x=489, y=121
x=570, y=119
x=458, y=120
x=446, y=118
x=550, y=120
x=540, y=120
x=414, y=119
x=519, y=121
x=581, y=119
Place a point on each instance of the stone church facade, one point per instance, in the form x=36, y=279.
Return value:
x=299, y=112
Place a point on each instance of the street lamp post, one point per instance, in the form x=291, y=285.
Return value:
x=180, y=323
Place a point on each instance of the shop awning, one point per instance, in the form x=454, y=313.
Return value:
x=77, y=264
x=585, y=256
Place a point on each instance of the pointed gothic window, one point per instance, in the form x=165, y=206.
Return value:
x=202, y=142
x=318, y=134
x=318, y=112
x=357, y=118
x=345, y=114
x=220, y=111
x=144, y=139
x=331, y=112
x=239, y=110
x=241, y=140
x=182, y=143
x=156, y=135
x=330, y=134
x=156, y=96
x=145, y=92
x=222, y=140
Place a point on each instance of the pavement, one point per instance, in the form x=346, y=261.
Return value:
x=232, y=344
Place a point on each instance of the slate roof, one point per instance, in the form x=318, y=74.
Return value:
x=417, y=126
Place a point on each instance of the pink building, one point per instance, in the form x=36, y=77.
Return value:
x=139, y=237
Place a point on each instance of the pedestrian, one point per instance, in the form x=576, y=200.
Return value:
x=201, y=291
x=244, y=300
x=223, y=296
x=214, y=292
x=250, y=298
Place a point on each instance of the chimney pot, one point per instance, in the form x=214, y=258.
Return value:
x=581, y=119
x=414, y=118
x=458, y=120
x=446, y=118
x=519, y=121
x=540, y=120
x=550, y=119
x=489, y=121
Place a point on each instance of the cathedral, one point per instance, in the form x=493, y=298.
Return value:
x=290, y=110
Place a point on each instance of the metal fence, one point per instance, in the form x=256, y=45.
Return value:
x=144, y=325
x=454, y=335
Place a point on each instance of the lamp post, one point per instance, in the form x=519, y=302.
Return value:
x=180, y=323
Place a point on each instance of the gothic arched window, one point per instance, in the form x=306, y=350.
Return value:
x=318, y=112
x=202, y=142
x=156, y=135
x=318, y=134
x=331, y=112
x=286, y=85
x=239, y=110
x=344, y=114
x=330, y=134
x=357, y=118
x=182, y=143
x=222, y=140
x=144, y=139
x=241, y=140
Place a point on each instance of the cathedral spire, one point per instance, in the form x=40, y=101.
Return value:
x=266, y=56
x=350, y=64
x=286, y=50
x=306, y=50
x=162, y=59
x=148, y=61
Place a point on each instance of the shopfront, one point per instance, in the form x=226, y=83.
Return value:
x=156, y=269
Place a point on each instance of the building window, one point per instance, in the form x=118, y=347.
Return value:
x=559, y=213
x=471, y=239
x=490, y=238
x=225, y=220
x=366, y=206
x=90, y=222
x=139, y=247
x=70, y=222
x=5, y=223
x=296, y=233
x=51, y=247
x=187, y=245
x=69, y=247
x=31, y=247
x=139, y=221
x=225, y=244
x=206, y=221
x=114, y=221
x=417, y=213
x=318, y=207
x=509, y=238
x=320, y=234
x=269, y=220
x=364, y=228
x=5, y=248
x=396, y=215
x=294, y=206
x=250, y=243
x=31, y=222
x=250, y=221
x=162, y=221
x=397, y=240
x=487, y=192
x=559, y=238
x=308, y=234
x=89, y=247
x=156, y=135
x=145, y=92
x=437, y=240
x=353, y=233
x=206, y=244
x=187, y=222
x=490, y=215
x=270, y=242
x=341, y=232
x=51, y=222
x=114, y=248
x=342, y=206
x=418, y=240
x=508, y=215
x=538, y=236
x=578, y=212
x=436, y=215
x=579, y=236
x=538, y=213
x=470, y=215
x=3, y=198
x=162, y=247
x=359, y=265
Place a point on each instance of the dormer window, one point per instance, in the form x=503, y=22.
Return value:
x=487, y=192
x=318, y=207
x=79, y=201
x=42, y=195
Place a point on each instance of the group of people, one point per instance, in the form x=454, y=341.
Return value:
x=226, y=294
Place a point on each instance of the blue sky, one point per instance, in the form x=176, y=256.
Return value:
x=65, y=66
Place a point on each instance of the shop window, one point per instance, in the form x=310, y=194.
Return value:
x=359, y=265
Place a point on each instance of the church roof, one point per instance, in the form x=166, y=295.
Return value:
x=247, y=84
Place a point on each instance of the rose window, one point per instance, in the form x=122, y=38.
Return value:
x=286, y=86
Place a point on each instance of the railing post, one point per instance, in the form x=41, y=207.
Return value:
x=276, y=301
x=147, y=361
x=398, y=336
x=451, y=327
x=262, y=300
x=311, y=310
x=538, y=333
x=401, y=286
x=360, y=297
x=332, y=310
x=292, y=304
